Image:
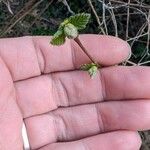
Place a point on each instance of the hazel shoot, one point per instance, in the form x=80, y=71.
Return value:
x=70, y=28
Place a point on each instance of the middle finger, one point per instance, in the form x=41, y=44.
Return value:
x=48, y=92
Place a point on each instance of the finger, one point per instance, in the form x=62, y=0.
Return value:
x=48, y=92
x=27, y=57
x=74, y=123
x=10, y=116
x=118, y=140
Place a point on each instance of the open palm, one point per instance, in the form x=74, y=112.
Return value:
x=61, y=106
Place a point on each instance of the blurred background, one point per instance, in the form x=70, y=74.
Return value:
x=127, y=19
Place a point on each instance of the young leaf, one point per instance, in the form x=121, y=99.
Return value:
x=58, y=38
x=91, y=68
x=69, y=28
x=92, y=71
x=79, y=20
x=70, y=31
x=86, y=67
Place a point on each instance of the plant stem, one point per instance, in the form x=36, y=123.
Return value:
x=77, y=40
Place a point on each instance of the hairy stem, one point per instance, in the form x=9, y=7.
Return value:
x=77, y=40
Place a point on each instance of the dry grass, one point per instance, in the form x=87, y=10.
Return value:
x=136, y=6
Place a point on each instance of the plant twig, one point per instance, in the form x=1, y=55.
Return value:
x=137, y=37
x=139, y=33
x=131, y=4
x=128, y=18
x=146, y=62
x=114, y=20
x=77, y=40
x=46, y=7
x=26, y=10
x=67, y=5
x=148, y=33
x=104, y=18
x=97, y=17
x=7, y=3
x=130, y=62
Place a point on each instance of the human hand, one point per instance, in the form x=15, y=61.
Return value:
x=61, y=106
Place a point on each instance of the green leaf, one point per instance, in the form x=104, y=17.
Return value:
x=58, y=38
x=69, y=28
x=92, y=68
x=79, y=20
x=92, y=71
x=66, y=21
x=70, y=31
x=86, y=67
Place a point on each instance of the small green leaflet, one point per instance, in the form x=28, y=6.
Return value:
x=70, y=31
x=92, y=71
x=69, y=28
x=92, y=68
x=80, y=20
x=58, y=38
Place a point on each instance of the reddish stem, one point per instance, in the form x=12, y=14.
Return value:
x=77, y=40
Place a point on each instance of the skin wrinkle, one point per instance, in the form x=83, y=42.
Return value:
x=58, y=84
x=43, y=59
x=64, y=135
x=125, y=79
x=55, y=92
x=52, y=95
x=76, y=91
x=54, y=123
x=85, y=146
x=102, y=117
x=103, y=81
x=72, y=123
x=39, y=55
x=59, y=121
x=100, y=122
x=73, y=54
x=73, y=131
x=66, y=93
x=42, y=147
x=102, y=84
x=55, y=126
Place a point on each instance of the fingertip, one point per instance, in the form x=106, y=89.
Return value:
x=107, y=50
x=125, y=139
x=134, y=139
x=122, y=48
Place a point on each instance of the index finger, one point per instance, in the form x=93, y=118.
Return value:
x=28, y=57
